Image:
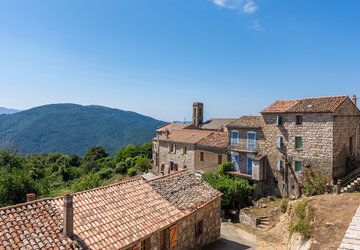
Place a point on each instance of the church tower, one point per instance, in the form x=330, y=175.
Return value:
x=198, y=113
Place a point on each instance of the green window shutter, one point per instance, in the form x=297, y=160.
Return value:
x=298, y=166
x=298, y=142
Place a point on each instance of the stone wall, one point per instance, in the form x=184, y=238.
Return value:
x=209, y=214
x=316, y=132
x=210, y=163
x=346, y=118
x=165, y=157
x=247, y=218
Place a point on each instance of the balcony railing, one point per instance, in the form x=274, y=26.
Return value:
x=243, y=145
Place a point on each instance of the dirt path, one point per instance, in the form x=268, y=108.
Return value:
x=233, y=238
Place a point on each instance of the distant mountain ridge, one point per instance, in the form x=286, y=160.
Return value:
x=73, y=128
x=7, y=111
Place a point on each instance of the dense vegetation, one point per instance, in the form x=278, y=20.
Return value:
x=57, y=174
x=72, y=129
x=236, y=191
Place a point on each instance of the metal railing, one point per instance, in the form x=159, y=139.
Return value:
x=343, y=182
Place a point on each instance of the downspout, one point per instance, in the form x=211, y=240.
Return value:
x=356, y=141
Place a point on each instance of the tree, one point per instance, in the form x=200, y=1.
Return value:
x=87, y=182
x=225, y=167
x=142, y=162
x=146, y=150
x=126, y=152
x=94, y=153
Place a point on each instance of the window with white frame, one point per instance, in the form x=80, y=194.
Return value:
x=234, y=137
x=251, y=140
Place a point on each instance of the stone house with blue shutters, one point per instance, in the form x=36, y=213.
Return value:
x=274, y=149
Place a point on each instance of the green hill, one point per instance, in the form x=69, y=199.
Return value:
x=72, y=128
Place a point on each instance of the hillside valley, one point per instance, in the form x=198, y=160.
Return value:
x=72, y=129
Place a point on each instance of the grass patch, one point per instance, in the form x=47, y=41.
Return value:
x=303, y=215
x=283, y=204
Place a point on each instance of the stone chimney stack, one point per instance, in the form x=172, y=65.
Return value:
x=198, y=113
x=354, y=99
x=30, y=197
x=68, y=216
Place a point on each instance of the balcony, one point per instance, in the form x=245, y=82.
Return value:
x=243, y=146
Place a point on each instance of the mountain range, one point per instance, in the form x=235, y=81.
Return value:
x=73, y=128
x=7, y=111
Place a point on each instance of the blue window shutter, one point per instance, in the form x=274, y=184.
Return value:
x=279, y=165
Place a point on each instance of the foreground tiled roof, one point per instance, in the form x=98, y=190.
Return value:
x=190, y=136
x=184, y=190
x=216, y=123
x=217, y=140
x=311, y=105
x=247, y=121
x=171, y=126
x=33, y=225
x=114, y=216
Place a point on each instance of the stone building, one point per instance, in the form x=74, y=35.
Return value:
x=200, y=146
x=198, y=150
x=292, y=135
x=160, y=214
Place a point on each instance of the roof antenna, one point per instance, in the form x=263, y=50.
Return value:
x=185, y=119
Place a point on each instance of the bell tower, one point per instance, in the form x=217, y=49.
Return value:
x=198, y=113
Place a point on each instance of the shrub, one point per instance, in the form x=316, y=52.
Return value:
x=87, y=182
x=121, y=168
x=235, y=190
x=143, y=163
x=314, y=182
x=303, y=215
x=132, y=171
x=54, y=168
x=283, y=204
x=225, y=167
x=105, y=173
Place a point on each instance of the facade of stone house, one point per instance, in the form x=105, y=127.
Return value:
x=292, y=135
x=198, y=150
x=131, y=214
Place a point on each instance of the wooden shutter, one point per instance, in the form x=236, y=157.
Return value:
x=135, y=248
x=169, y=147
x=173, y=236
x=174, y=148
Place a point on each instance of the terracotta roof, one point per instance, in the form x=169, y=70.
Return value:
x=247, y=121
x=312, y=105
x=217, y=140
x=172, y=125
x=191, y=136
x=114, y=216
x=184, y=190
x=216, y=123
x=33, y=225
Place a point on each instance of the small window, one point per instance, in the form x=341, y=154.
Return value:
x=171, y=148
x=298, y=142
x=234, y=137
x=298, y=120
x=185, y=167
x=145, y=244
x=279, y=165
x=279, y=120
x=279, y=142
x=219, y=159
x=201, y=156
x=298, y=166
x=163, y=239
x=183, y=150
x=198, y=228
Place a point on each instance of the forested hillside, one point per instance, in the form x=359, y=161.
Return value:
x=72, y=129
x=57, y=174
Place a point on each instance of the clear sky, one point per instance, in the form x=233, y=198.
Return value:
x=157, y=57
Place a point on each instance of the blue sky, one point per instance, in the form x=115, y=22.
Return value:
x=157, y=57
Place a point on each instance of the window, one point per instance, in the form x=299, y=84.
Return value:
x=173, y=236
x=171, y=148
x=298, y=166
x=183, y=150
x=163, y=239
x=219, y=159
x=171, y=168
x=279, y=165
x=234, y=137
x=201, y=156
x=279, y=142
x=185, y=167
x=298, y=142
x=145, y=244
x=198, y=228
x=298, y=120
x=251, y=140
x=351, y=145
x=278, y=120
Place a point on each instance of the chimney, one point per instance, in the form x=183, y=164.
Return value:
x=167, y=132
x=354, y=99
x=68, y=215
x=30, y=197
